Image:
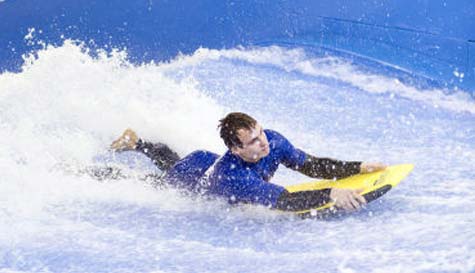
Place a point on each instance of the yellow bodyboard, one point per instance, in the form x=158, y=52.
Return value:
x=374, y=185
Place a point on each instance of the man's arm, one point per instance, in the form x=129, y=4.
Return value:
x=328, y=168
x=252, y=189
x=315, y=167
x=346, y=199
x=303, y=200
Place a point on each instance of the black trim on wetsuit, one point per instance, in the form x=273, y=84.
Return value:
x=315, y=167
x=328, y=168
x=303, y=200
x=161, y=154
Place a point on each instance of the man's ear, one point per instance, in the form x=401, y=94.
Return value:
x=235, y=150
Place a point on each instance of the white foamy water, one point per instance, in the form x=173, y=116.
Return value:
x=65, y=108
x=297, y=60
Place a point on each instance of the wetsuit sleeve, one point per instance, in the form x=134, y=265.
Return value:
x=159, y=153
x=252, y=189
x=290, y=156
x=328, y=168
x=303, y=200
x=312, y=166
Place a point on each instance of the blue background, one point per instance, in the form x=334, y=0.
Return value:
x=430, y=39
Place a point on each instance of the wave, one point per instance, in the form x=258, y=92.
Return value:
x=298, y=60
x=65, y=107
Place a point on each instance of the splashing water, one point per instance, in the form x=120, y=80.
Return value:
x=65, y=107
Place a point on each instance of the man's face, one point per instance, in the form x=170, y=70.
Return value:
x=254, y=144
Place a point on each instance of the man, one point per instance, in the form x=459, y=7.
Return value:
x=243, y=173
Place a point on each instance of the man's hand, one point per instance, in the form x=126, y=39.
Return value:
x=369, y=167
x=346, y=199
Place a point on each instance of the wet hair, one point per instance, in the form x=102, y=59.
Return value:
x=231, y=124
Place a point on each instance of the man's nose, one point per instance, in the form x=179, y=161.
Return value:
x=262, y=143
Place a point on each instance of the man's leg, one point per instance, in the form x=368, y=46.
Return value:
x=159, y=153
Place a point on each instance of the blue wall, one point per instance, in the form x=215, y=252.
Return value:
x=431, y=38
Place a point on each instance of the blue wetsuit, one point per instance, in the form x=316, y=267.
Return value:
x=231, y=177
x=234, y=178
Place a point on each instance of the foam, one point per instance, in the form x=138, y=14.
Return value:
x=297, y=60
x=65, y=107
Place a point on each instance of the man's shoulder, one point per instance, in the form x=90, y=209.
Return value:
x=273, y=134
x=228, y=162
x=232, y=166
x=276, y=139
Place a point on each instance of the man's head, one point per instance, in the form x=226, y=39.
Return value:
x=244, y=136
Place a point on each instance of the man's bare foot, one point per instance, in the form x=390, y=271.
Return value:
x=127, y=141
